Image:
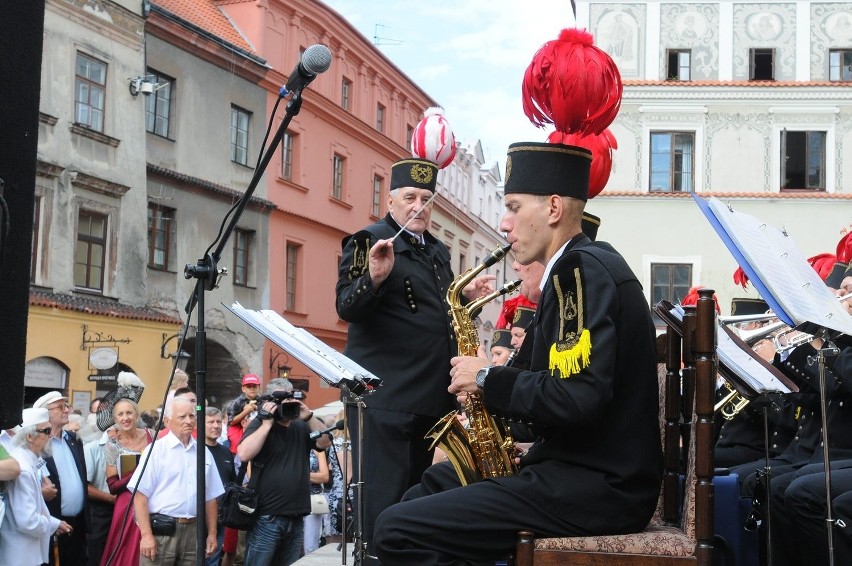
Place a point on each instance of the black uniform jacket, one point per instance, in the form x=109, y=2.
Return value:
x=591, y=394
x=401, y=332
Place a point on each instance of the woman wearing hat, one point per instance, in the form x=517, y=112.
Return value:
x=28, y=526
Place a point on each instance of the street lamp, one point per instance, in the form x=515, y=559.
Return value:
x=182, y=359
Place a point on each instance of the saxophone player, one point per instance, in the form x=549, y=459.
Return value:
x=591, y=390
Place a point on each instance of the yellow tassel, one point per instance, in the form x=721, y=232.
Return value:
x=572, y=360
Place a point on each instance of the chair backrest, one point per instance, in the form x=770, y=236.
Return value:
x=691, y=366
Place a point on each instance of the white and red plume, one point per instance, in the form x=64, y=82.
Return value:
x=433, y=138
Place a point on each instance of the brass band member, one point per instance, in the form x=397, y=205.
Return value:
x=392, y=291
x=591, y=390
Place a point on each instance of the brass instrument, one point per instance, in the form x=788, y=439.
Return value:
x=730, y=404
x=485, y=449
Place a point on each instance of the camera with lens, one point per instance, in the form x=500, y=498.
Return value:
x=284, y=409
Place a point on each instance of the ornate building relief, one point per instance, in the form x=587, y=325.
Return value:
x=771, y=26
x=619, y=29
x=694, y=27
x=831, y=27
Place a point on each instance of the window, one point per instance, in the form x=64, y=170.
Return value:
x=345, y=93
x=377, y=196
x=239, y=135
x=89, y=92
x=409, y=133
x=840, y=65
x=158, y=106
x=803, y=160
x=287, y=156
x=36, y=227
x=337, y=177
x=669, y=281
x=678, y=65
x=672, y=162
x=292, y=275
x=159, y=235
x=242, y=253
x=90, y=253
x=462, y=262
x=761, y=65
x=380, y=117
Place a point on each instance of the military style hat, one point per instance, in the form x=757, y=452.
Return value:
x=745, y=306
x=412, y=172
x=590, y=225
x=523, y=317
x=502, y=338
x=548, y=169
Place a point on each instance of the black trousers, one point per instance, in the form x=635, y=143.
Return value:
x=443, y=524
x=101, y=514
x=72, y=546
x=395, y=455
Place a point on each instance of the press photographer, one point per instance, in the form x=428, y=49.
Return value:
x=277, y=442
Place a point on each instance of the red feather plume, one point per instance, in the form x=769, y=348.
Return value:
x=740, y=278
x=573, y=85
x=844, y=248
x=691, y=298
x=822, y=264
x=601, y=147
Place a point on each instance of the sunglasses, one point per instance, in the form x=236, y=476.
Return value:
x=46, y=430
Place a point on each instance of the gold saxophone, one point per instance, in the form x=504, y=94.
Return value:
x=485, y=449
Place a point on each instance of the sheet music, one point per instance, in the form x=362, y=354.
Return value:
x=777, y=268
x=758, y=375
x=745, y=365
x=325, y=361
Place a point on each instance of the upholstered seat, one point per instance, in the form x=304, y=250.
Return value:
x=681, y=530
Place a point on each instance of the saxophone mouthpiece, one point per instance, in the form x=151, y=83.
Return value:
x=496, y=255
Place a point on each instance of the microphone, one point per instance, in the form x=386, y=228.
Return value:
x=317, y=433
x=315, y=60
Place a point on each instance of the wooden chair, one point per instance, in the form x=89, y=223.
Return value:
x=681, y=531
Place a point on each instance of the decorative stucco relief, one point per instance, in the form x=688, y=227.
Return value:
x=619, y=29
x=765, y=26
x=694, y=27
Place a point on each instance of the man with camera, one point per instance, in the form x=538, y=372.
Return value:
x=277, y=442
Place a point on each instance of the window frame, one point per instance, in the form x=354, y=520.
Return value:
x=756, y=63
x=292, y=253
x=236, y=114
x=243, y=240
x=154, y=102
x=338, y=166
x=672, y=171
x=376, y=205
x=785, y=160
x=287, y=155
x=346, y=94
x=844, y=72
x=36, y=237
x=166, y=214
x=90, y=241
x=673, y=293
x=380, y=117
x=675, y=55
x=92, y=86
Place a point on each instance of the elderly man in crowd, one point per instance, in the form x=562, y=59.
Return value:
x=67, y=469
x=165, y=500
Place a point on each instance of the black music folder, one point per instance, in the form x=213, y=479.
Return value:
x=333, y=367
x=778, y=270
x=739, y=365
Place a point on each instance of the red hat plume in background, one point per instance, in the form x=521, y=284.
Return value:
x=740, y=277
x=844, y=248
x=601, y=147
x=433, y=139
x=573, y=85
x=691, y=298
x=822, y=264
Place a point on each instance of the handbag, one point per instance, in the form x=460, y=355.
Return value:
x=319, y=504
x=238, y=508
x=162, y=525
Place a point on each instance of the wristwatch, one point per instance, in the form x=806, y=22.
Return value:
x=481, y=375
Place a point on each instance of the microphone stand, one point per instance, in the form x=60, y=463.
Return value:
x=207, y=273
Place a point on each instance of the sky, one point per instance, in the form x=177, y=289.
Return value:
x=468, y=55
